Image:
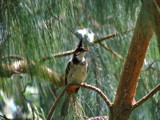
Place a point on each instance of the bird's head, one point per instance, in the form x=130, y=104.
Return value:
x=80, y=51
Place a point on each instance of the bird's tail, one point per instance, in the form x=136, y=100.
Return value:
x=64, y=110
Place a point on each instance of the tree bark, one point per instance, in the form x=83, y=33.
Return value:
x=124, y=99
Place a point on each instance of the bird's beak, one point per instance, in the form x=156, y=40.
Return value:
x=85, y=49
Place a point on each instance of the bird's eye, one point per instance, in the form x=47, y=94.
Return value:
x=77, y=51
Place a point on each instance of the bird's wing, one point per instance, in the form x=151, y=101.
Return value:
x=67, y=71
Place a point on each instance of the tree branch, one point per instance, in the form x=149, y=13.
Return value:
x=57, y=55
x=23, y=66
x=83, y=85
x=110, y=36
x=110, y=50
x=147, y=90
x=149, y=66
x=154, y=9
x=95, y=41
x=13, y=57
x=145, y=98
x=128, y=82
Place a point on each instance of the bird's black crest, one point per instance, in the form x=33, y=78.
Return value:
x=80, y=44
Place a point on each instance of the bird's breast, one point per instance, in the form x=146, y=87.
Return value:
x=77, y=73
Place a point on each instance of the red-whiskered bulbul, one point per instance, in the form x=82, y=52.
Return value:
x=76, y=71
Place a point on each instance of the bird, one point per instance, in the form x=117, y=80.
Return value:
x=76, y=71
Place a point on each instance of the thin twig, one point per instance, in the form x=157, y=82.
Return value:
x=57, y=55
x=83, y=85
x=52, y=92
x=95, y=41
x=110, y=36
x=149, y=66
x=145, y=98
x=71, y=52
x=110, y=50
x=13, y=57
x=147, y=90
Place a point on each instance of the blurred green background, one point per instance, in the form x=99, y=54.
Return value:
x=35, y=29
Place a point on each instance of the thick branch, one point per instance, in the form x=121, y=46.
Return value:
x=134, y=61
x=155, y=10
x=23, y=66
x=83, y=85
x=132, y=67
x=145, y=98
